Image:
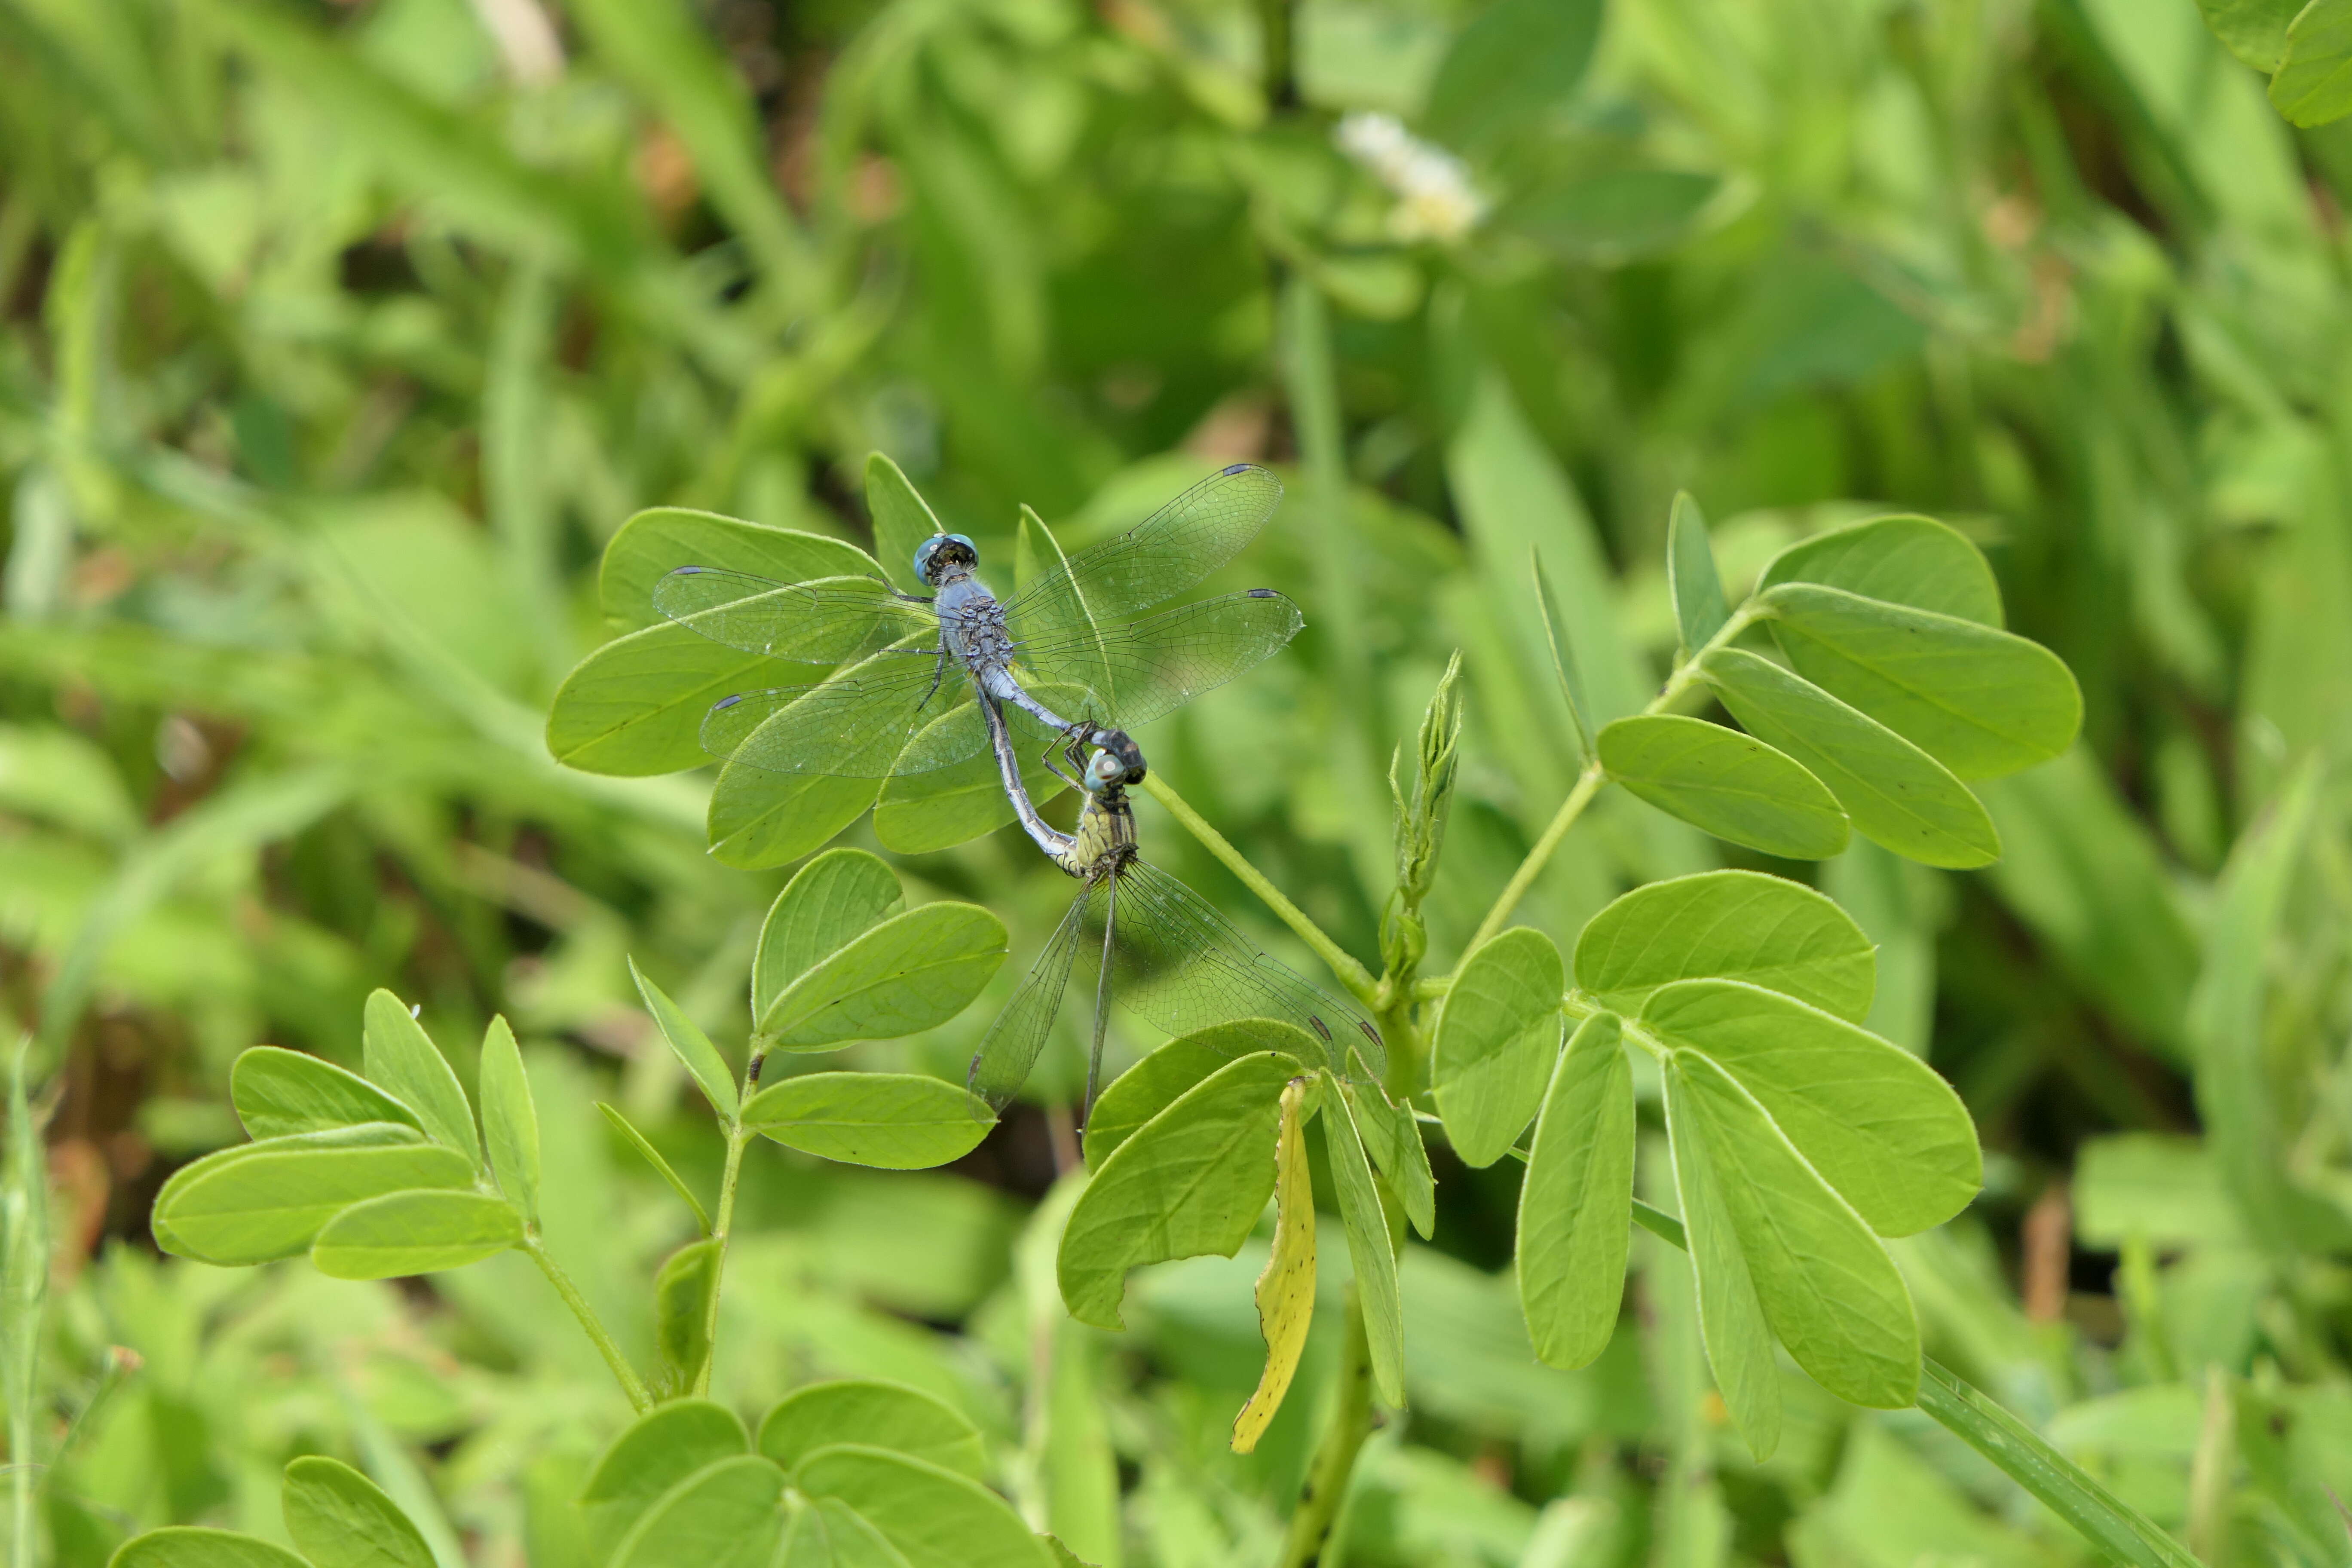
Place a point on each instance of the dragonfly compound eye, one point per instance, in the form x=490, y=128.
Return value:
x=941, y=551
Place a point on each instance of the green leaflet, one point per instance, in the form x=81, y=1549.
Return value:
x=2314, y=84
x=339, y=1519
x=1730, y=785
x=682, y=1315
x=1192, y=1180
x=635, y=707
x=1977, y=700
x=910, y=973
x=1878, y=1124
x=939, y=808
x=279, y=1093
x=1727, y=925
x=1731, y=1323
x=1286, y=1287
x=509, y=1122
x=1369, y=1248
x=689, y=1045
x=896, y=1121
x=1826, y=1284
x=759, y=818
x=661, y=539
x=1514, y=60
x=728, y=1514
x=875, y=1416
x=400, y=1058
x=828, y=1533
x=1496, y=1038
x=1391, y=1135
x=1691, y=577
x=1903, y=560
x=268, y=1200
x=934, y=1517
x=902, y=521
x=1898, y=796
x=828, y=902
x=660, y=1451
x=2253, y=30
x=418, y=1231
x=189, y=1546
x=653, y=1156
x=1576, y=1201
x=1151, y=1084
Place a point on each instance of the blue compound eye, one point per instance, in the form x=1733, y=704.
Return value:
x=956, y=546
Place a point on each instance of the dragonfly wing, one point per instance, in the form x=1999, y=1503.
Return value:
x=828, y=621
x=856, y=725
x=1013, y=1044
x=1183, y=966
x=1135, y=673
x=1161, y=556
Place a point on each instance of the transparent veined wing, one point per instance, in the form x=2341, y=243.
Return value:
x=856, y=725
x=1013, y=1044
x=1182, y=965
x=830, y=620
x=1159, y=557
x=1133, y=674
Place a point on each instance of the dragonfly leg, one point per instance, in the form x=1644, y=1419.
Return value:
x=1102, y=1001
x=1069, y=750
x=939, y=673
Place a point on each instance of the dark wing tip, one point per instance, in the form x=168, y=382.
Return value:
x=686, y=570
x=1264, y=593
x=727, y=702
x=1232, y=468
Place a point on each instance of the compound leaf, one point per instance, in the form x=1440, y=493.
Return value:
x=1723, y=783
x=896, y=1121
x=279, y=1093
x=418, y=1231
x=875, y=1415
x=1727, y=925
x=1496, y=1039
x=910, y=973
x=268, y=1200
x=1576, y=1202
x=339, y=1519
x=829, y=902
x=1904, y=560
x=400, y=1058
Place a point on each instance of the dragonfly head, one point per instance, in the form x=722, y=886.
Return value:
x=1118, y=759
x=945, y=555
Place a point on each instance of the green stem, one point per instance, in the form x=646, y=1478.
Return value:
x=722, y=1225
x=1326, y=1487
x=2017, y=1450
x=1352, y=974
x=631, y=1383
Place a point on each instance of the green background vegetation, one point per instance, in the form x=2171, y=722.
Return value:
x=338, y=341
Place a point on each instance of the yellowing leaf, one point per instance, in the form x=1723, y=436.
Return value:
x=1286, y=1290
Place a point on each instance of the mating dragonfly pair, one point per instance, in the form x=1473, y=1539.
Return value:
x=927, y=683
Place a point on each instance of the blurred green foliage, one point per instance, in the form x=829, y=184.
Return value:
x=335, y=342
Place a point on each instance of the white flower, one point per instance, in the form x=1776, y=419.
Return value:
x=1434, y=197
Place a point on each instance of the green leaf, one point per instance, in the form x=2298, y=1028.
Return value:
x=682, y=1289
x=829, y=902
x=940, y=807
x=1730, y=785
x=1904, y=560
x=1497, y=1036
x=339, y=1519
x=400, y=1058
x=2314, y=84
x=509, y=1121
x=1979, y=700
x=689, y=1045
x=653, y=1157
x=1727, y=925
x=1898, y=796
x=1153, y=1084
x=188, y=1546
x=1370, y=1248
x=635, y=707
x=875, y=1415
x=661, y=1450
x=1732, y=1329
x=2253, y=30
x=1191, y=1180
x=1391, y=1135
x=660, y=539
x=759, y=818
x=1879, y=1124
x=420, y=1232
x=1515, y=60
x=1576, y=1201
x=828, y=1533
x=896, y=1121
x=932, y=1516
x=1828, y=1288
x=910, y=973
x=1563, y=656
x=1691, y=578
x=279, y=1093
x=728, y=1514
x=902, y=521
x=268, y=1200
x=1619, y=216
x=1286, y=1287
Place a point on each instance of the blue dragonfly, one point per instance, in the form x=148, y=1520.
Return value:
x=1061, y=654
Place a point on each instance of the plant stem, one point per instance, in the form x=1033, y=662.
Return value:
x=1352, y=974
x=631, y=1383
x=722, y=1225
x=1351, y=1422
x=1588, y=784
x=2021, y=1453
